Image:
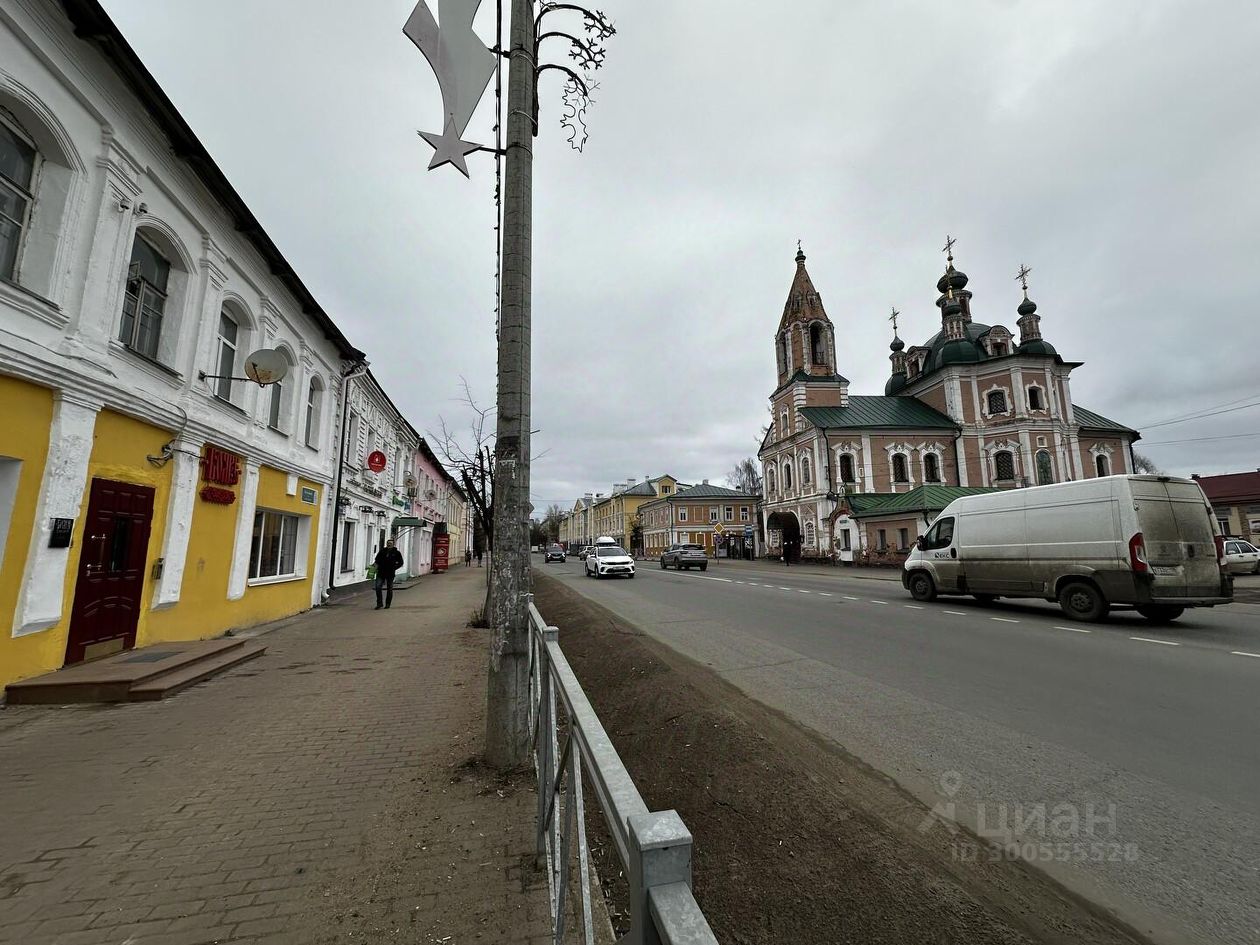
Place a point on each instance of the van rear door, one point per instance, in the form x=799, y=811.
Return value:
x=1176, y=525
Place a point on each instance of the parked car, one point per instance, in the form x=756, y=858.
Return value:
x=1151, y=542
x=584, y=552
x=684, y=556
x=608, y=560
x=554, y=553
x=1242, y=557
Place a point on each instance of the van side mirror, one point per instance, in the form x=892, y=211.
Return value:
x=919, y=543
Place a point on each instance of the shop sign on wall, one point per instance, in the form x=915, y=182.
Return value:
x=219, y=468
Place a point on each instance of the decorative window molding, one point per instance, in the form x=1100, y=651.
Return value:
x=996, y=401
x=1036, y=398
x=1102, y=453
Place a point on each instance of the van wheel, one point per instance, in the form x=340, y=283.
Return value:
x=921, y=586
x=1161, y=613
x=1083, y=601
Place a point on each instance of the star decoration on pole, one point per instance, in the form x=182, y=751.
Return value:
x=449, y=148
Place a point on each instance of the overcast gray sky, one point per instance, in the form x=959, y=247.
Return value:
x=1113, y=147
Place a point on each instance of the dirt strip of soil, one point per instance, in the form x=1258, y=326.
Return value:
x=796, y=840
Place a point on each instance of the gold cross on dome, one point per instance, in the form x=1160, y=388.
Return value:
x=1022, y=278
x=949, y=246
x=893, y=318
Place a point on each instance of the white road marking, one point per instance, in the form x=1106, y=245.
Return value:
x=1074, y=629
x=800, y=591
x=1241, y=653
x=847, y=597
x=1004, y=619
x=956, y=613
x=824, y=594
x=739, y=582
x=877, y=602
x=912, y=606
x=1160, y=642
x=782, y=588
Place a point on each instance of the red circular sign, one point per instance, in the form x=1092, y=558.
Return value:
x=376, y=461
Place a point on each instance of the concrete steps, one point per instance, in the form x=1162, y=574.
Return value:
x=142, y=675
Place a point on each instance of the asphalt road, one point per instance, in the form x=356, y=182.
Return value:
x=1122, y=758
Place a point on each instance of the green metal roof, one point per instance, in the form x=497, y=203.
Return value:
x=703, y=491
x=1096, y=421
x=872, y=410
x=931, y=498
x=642, y=488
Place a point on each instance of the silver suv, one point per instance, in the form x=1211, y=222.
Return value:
x=685, y=556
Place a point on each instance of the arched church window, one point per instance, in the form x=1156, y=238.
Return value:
x=846, y=468
x=817, y=345
x=1004, y=466
x=996, y=401
x=782, y=352
x=931, y=468
x=1045, y=471
x=18, y=160
x=1035, y=400
x=900, y=468
x=1102, y=464
x=806, y=472
x=787, y=474
x=769, y=480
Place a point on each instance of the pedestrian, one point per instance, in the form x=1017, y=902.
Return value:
x=388, y=560
x=787, y=553
x=467, y=557
x=478, y=557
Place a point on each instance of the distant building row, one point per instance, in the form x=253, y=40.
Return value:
x=140, y=500
x=647, y=516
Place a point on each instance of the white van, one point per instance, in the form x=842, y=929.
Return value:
x=1151, y=542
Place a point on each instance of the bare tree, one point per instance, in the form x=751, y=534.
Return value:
x=551, y=522
x=1144, y=464
x=470, y=457
x=745, y=476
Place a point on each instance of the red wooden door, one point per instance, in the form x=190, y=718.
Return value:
x=111, y=575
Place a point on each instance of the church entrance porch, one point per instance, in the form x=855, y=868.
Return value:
x=783, y=535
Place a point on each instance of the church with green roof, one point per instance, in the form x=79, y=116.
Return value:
x=973, y=408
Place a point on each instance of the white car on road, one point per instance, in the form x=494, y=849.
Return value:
x=607, y=559
x=1241, y=556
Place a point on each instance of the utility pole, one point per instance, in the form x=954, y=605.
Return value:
x=507, y=715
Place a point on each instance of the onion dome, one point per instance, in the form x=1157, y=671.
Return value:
x=1037, y=347
x=1027, y=307
x=952, y=279
x=895, y=383
x=897, y=344
x=958, y=351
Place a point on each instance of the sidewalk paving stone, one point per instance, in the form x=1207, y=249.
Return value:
x=327, y=792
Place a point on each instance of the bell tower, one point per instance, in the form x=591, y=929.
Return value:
x=806, y=339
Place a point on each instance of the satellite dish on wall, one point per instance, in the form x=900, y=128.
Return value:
x=266, y=366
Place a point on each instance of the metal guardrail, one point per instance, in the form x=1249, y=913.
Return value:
x=654, y=847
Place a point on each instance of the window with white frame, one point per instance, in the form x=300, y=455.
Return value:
x=847, y=470
x=995, y=400
x=228, y=331
x=713, y=513
x=144, y=305
x=783, y=423
x=903, y=538
x=743, y=513
x=1035, y=399
x=1045, y=468
x=273, y=551
x=728, y=514
x=1004, y=466
x=900, y=468
x=347, y=546
x=806, y=473
x=314, y=407
x=352, y=439
x=682, y=513
x=275, y=407
x=931, y=468
x=1102, y=463
x=787, y=474
x=18, y=161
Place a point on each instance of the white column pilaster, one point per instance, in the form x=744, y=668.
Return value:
x=244, y=531
x=179, y=518
x=60, y=496
x=868, y=467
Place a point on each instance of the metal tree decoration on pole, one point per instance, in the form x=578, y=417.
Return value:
x=459, y=59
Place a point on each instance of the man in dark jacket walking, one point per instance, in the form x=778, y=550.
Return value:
x=388, y=560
